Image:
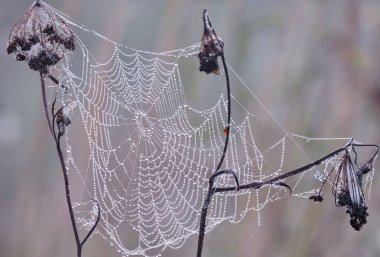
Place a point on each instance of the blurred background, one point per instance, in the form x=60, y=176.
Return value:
x=316, y=64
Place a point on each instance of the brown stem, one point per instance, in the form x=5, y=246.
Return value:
x=43, y=89
x=57, y=139
x=68, y=197
x=211, y=190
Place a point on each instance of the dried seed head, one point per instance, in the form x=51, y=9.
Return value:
x=348, y=192
x=358, y=216
x=41, y=37
x=211, y=47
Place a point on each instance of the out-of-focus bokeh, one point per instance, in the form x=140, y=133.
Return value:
x=315, y=63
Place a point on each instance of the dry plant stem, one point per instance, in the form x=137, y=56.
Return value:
x=57, y=139
x=94, y=226
x=228, y=112
x=64, y=171
x=43, y=90
x=211, y=189
x=257, y=184
x=68, y=198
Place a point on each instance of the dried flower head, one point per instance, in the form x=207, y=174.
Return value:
x=41, y=37
x=348, y=192
x=211, y=48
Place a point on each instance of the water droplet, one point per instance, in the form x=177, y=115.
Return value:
x=318, y=175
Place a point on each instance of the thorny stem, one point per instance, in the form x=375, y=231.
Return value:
x=57, y=139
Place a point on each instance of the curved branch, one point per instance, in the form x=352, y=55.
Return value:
x=283, y=184
x=228, y=111
x=231, y=172
x=259, y=184
x=93, y=226
x=211, y=189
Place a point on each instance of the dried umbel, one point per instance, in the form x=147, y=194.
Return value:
x=348, y=192
x=41, y=38
x=347, y=188
x=211, y=48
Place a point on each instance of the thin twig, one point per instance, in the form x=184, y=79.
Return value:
x=43, y=89
x=228, y=112
x=259, y=184
x=68, y=197
x=57, y=139
x=211, y=189
x=93, y=226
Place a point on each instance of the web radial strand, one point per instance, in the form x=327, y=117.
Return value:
x=145, y=155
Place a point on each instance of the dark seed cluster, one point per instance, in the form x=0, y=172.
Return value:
x=348, y=192
x=343, y=198
x=347, y=189
x=39, y=41
x=211, y=48
x=357, y=211
x=358, y=216
x=23, y=43
x=43, y=60
x=55, y=38
x=316, y=198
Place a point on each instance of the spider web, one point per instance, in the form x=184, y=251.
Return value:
x=145, y=154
